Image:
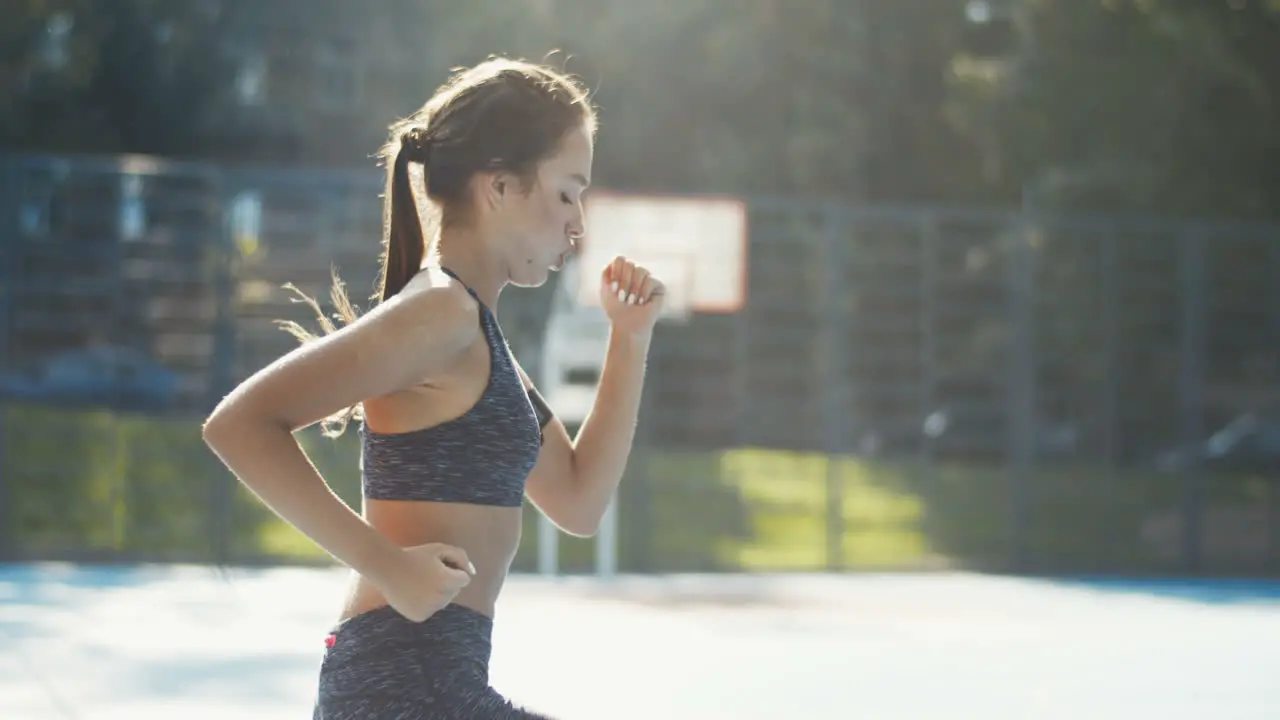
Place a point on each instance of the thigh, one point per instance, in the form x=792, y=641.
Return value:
x=381, y=667
x=452, y=704
x=489, y=704
x=368, y=708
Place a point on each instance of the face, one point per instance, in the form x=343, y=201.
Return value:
x=542, y=222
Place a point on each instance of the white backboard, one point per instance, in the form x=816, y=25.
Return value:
x=696, y=245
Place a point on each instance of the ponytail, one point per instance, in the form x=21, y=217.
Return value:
x=403, y=246
x=501, y=115
x=403, y=227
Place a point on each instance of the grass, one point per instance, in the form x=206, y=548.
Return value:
x=767, y=510
x=91, y=481
x=879, y=524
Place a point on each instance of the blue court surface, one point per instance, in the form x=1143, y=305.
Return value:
x=185, y=642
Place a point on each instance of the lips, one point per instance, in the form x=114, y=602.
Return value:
x=564, y=256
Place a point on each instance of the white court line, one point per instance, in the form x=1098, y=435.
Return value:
x=180, y=642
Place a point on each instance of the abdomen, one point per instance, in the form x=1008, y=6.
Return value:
x=489, y=535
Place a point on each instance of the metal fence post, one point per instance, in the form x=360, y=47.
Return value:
x=1273, y=488
x=1191, y=390
x=1021, y=390
x=222, y=374
x=834, y=375
x=740, y=385
x=929, y=428
x=9, y=195
x=1110, y=424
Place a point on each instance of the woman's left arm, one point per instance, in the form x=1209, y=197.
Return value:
x=575, y=479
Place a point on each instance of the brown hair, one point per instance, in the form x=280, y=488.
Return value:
x=501, y=115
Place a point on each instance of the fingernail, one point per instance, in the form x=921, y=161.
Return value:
x=471, y=568
x=614, y=286
x=622, y=295
x=631, y=298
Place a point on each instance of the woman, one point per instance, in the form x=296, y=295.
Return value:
x=453, y=432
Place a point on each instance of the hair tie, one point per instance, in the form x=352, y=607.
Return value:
x=415, y=145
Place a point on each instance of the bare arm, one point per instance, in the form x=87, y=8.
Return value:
x=574, y=480
x=396, y=345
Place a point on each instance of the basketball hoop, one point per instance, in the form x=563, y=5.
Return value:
x=696, y=246
x=676, y=274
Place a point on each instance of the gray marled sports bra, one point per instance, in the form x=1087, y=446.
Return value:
x=482, y=457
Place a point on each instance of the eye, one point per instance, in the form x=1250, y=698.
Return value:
x=564, y=198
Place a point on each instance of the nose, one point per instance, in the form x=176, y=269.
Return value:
x=577, y=225
x=575, y=229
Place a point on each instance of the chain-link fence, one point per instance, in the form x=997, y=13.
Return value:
x=907, y=387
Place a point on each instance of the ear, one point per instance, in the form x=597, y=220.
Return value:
x=497, y=188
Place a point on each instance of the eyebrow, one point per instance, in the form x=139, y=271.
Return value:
x=581, y=179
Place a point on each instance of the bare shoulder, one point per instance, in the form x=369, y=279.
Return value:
x=428, y=314
x=399, y=343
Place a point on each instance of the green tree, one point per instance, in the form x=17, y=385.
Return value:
x=132, y=76
x=827, y=98
x=1160, y=106
x=1169, y=105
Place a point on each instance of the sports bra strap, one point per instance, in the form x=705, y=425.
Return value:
x=454, y=275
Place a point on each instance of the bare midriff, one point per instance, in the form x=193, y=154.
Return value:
x=489, y=536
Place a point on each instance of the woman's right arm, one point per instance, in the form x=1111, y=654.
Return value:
x=395, y=346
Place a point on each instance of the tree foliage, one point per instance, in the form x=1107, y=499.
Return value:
x=1152, y=104
x=1163, y=105
x=132, y=76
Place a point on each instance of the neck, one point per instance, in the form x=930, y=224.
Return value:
x=468, y=257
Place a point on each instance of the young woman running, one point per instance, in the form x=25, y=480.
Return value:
x=453, y=433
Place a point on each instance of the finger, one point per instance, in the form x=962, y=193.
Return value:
x=636, y=288
x=455, y=558
x=613, y=273
x=657, y=291
x=645, y=290
x=622, y=281
x=458, y=579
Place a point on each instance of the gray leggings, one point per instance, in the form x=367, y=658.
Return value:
x=381, y=666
